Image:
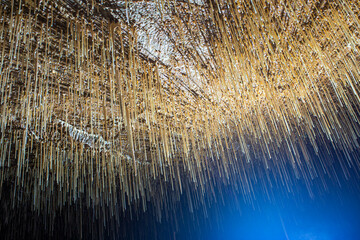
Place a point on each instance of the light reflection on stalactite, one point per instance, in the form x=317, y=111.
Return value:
x=94, y=104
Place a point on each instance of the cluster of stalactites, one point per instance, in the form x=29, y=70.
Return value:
x=83, y=109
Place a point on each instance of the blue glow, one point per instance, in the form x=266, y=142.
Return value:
x=333, y=216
